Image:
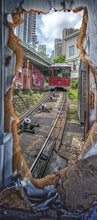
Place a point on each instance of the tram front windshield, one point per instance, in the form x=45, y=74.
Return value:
x=60, y=72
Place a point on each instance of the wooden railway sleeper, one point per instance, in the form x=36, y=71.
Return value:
x=29, y=130
x=52, y=100
x=44, y=156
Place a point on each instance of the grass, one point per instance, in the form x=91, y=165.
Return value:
x=36, y=97
x=73, y=93
x=73, y=90
x=20, y=93
x=30, y=92
x=73, y=113
x=31, y=99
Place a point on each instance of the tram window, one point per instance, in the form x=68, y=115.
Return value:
x=55, y=72
x=59, y=75
x=64, y=72
x=50, y=72
x=60, y=72
x=69, y=73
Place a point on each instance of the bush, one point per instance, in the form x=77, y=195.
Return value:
x=24, y=99
x=20, y=93
x=73, y=90
x=45, y=85
x=40, y=96
x=74, y=83
x=73, y=114
x=73, y=93
x=27, y=102
x=36, y=97
x=30, y=92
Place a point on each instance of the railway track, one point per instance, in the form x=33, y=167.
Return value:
x=33, y=110
x=46, y=150
x=37, y=146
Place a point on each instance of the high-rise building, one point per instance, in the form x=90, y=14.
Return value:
x=52, y=55
x=31, y=27
x=27, y=30
x=19, y=29
x=60, y=44
x=66, y=32
x=57, y=47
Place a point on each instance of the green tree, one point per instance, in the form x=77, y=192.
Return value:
x=60, y=59
x=42, y=53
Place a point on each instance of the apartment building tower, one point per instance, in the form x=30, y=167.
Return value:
x=58, y=47
x=27, y=30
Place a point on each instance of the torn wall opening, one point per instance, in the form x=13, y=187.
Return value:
x=18, y=62
x=13, y=44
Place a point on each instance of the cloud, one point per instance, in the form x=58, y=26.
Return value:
x=51, y=25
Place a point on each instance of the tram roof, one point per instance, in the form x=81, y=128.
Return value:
x=59, y=65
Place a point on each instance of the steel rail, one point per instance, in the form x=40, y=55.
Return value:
x=47, y=139
x=34, y=109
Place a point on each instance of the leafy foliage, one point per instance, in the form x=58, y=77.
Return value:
x=30, y=92
x=42, y=53
x=45, y=55
x=73, y=114
x=73, y=90
x=45, y=85
x=73, y=93
x=25, y=102
x=74, y=83
x=20, y=93
x=60, y=59
x=36, y=97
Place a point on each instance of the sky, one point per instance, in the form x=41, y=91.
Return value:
x=50, y=26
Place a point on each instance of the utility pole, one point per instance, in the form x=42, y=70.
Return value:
x=27, y=74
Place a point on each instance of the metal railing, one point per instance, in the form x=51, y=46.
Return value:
x=31, y=49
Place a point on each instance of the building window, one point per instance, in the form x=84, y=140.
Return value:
x=71, y=50
x=50, y=73
x=74, y=67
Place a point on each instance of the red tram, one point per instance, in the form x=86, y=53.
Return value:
x=59, y=76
